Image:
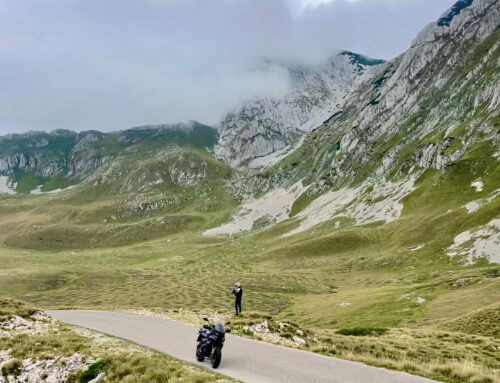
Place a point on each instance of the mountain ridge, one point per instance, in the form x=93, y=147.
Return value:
x=76, y=155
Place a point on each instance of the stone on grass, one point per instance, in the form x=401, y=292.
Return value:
x=99, y=378
x=299, y=341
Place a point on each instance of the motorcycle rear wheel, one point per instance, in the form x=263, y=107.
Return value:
x=216, y=357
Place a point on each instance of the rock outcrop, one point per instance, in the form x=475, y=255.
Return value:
x=55, y=370
x=425, y=109
x=264, y=126
x=52, y=370
x=38, y=323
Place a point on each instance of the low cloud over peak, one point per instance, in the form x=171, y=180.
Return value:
x=113, y=64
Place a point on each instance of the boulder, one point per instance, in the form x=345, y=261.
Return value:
x=299, y=341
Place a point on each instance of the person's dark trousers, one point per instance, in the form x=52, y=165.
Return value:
x=237, y=306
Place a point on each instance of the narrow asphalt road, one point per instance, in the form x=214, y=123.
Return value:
x=243, y=359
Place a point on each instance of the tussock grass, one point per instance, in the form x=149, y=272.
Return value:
x=484, y=322
x=444, y=356
x=92, y=372
x=63, y=342
x=137, y=367
x=10, y=307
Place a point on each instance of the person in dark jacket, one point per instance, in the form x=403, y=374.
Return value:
x=238, y=293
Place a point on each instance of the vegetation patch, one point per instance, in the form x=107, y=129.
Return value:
x=440, y=355
x=263, y=222
x=26, y=182
x=301, y=203
x=362, y=331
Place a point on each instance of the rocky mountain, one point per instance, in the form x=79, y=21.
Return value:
x=425, y=108
x=62, y=157
x=265, y=128
x=429, y=120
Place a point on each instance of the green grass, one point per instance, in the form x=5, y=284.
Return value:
x=26, y=182
x=124, y=203
x=300, y=279
x=440, y=355
x=142, y=261
x=57, y=182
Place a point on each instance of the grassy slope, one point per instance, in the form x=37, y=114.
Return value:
x=302, y=278
x=123, y=203
x=293, y=274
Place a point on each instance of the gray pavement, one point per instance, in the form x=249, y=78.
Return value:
x=243, y=359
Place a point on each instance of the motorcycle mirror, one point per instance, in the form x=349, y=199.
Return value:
x=228, y=330
x=205, y=319
x=228, y=323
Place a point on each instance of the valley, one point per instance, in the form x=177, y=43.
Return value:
x=376, y=206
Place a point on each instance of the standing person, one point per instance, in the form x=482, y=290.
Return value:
x=238, y=293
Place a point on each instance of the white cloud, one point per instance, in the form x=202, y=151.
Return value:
x=314, y=3
x=118, y=63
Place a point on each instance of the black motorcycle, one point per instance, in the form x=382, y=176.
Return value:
x=210, y=341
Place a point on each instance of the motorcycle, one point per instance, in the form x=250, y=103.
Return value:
x=210, y=340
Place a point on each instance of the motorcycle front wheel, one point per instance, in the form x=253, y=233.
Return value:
x=199, y=355
x=216, y=357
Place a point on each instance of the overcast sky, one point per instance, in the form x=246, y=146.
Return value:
x=114, y=64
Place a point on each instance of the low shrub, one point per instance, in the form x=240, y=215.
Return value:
x=362, y=331
x=12, y=367
x=93, y=370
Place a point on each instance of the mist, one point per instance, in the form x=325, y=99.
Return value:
x=113, y=64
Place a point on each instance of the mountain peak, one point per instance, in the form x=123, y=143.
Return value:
x=359, y=59
x=446, y=17
x=262, y=128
